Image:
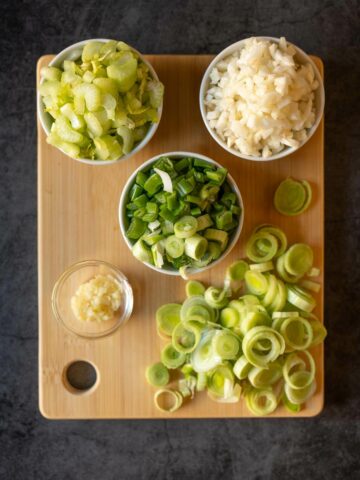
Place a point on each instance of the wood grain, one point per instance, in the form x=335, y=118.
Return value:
x=77, y=220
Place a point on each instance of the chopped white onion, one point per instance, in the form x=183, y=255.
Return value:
x=260, y=100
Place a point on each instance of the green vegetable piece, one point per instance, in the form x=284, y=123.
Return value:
x=136, y=229
x=186, y=227
x=167, y=317
x=153, y=184
x=172, y=358
x=217, y=236
x=218, y=176
x=142, y=252
x=193, y=287
x=124, y=72
x=236, y=271
x=195, y=246
x=141, y=178
x=292, y=197
x=127, y=137
x=174, y=246
x=157, y=375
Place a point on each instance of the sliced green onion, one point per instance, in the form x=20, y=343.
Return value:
x=193, y=287
x=167, y=317
x=157, y=375
x=168, y=400
x=172, y=358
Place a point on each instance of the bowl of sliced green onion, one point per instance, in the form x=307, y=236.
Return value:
x=99, y=101
x=180, y=213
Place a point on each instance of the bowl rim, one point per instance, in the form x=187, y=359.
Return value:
x=77, y=266
x=180, y=154
x=42, y=114
x=286, y=151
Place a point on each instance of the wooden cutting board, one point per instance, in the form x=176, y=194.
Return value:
x=77, y=220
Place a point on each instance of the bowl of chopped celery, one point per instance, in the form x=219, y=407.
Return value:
x=180, y=213
x=99, y=101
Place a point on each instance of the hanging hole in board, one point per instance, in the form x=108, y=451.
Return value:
x=80, y=377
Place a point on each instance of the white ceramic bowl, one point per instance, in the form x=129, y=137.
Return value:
x=124, y=196
x=73, y=53
x=301, y=57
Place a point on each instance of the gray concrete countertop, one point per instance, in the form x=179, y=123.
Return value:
x=34, y=448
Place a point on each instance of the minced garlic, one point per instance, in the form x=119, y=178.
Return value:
x=98, y=299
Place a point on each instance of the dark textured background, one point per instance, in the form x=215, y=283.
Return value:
x=34, y=448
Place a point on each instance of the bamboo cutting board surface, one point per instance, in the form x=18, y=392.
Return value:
x=78, y=220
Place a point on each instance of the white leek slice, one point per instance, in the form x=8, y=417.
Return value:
x=165, y=177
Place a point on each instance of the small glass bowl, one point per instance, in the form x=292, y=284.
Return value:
x=66, y=287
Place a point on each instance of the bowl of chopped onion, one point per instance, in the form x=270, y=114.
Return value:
x=180, y=213
x=262, y=98
x=99, y=101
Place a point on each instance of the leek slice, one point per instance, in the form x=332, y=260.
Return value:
x=231, y=393
x=216, y=297
x=242, y=367
x=298, y=259
x=193, y=287
x=171, y=357
x=217, y=236
x=204, y=358
x=265, y=377
x=229, y=317
x=295, y=364
x=262, y=267
x=157, y=375
x=186, y=336
x=201, y=381
x=226, y=345
x=300, y=396
x=319, y=332
x=314, y=272
x=300, y=298
x=280, y=267
x=174, y=246
x=297, y=333
x=199, y=303
x=310, y=285
x=256, y=282
x=216, y=382
x=261, y=401
x=186, y=227
x=195, y=246
x=278, y=234
x=168, y=400
x=250, y=346
x=292, y=197
x=167, y=317
x=265, y=253
x=236, y=271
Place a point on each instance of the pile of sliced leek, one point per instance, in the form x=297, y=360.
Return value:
x=256, y=345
